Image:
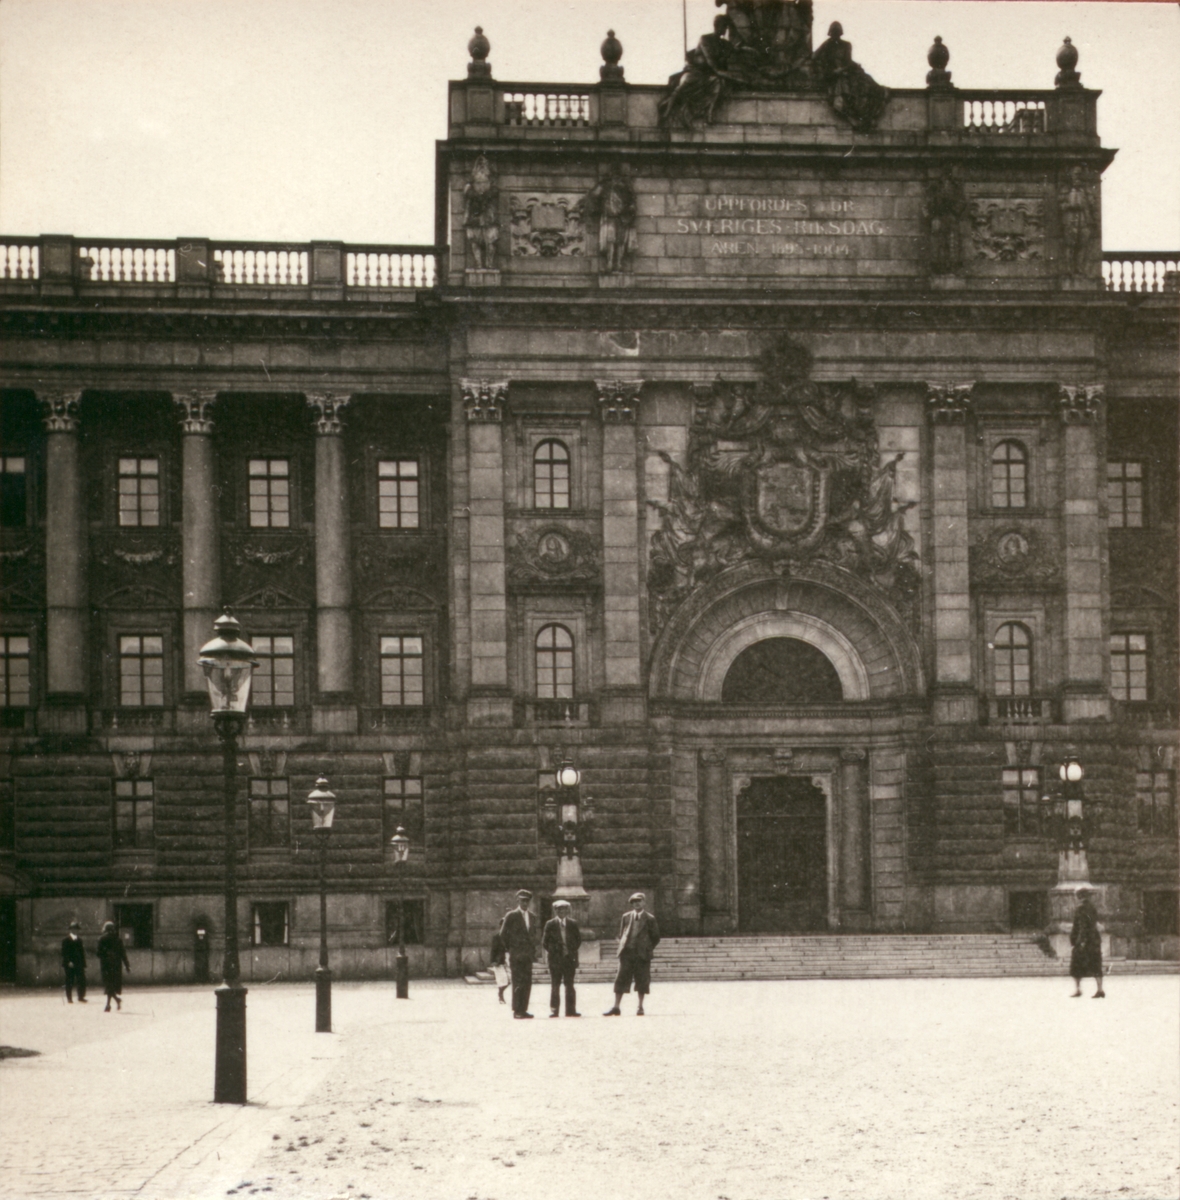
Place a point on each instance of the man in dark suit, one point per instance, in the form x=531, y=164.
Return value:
x=560, y=941
x=73, y=962
x=519, y=931
x=639, y=935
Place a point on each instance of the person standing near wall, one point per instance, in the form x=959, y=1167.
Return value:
x=1086, y=939
x=73, y=963
x=112, y=958
x=519, y=931
x=639, y=935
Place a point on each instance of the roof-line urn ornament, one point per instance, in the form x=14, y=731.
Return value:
x=938, y=56
x=785, y=471
x=611, y=202
x=1078, y=211
x=611, y=51
x=481, y=215
x=479, y=48
x=1067, y=61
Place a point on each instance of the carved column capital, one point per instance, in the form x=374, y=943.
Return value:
x=1080, y=403
x=60, y=410
x=328, y=411
x=949, y=402
x=713, y=758
x=195, y=410
x=484, y=399
x=852, y=754
x=618, y=400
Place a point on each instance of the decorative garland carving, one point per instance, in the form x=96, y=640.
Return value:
x=553, y=554
x=1015, y=558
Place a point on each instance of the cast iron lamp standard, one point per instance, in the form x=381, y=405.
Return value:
x=1073, y=866
x=400, y=844
x=228, y=663
x=569, y=814
x=322, y=804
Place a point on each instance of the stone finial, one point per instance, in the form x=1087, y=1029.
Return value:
x=949, y=402
x=612, y=51
x=60, y=411
x=1080, y=403
x=328, y=411
x=938, y=56
x=1067, y=61
x=484, y=399
x=195, y=410
x=618, y=400
x=479, y=48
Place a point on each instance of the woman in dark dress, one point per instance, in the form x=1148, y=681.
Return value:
x=1086, y=940
x=112, y=958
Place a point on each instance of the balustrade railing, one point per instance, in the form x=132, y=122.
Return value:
x=126, y=262
x=390, y=267
x=1004, y=113
x=20, y=258
x=1141, y=270
x=270, y=266
x=547, y=109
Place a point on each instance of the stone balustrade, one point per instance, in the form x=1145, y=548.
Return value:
x=549, y=108
x=249, y=263
x=1141, y=270
x=19, y=258
x=1004, y=112
x=125, y=262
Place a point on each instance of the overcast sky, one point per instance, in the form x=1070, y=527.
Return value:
x=293, y=120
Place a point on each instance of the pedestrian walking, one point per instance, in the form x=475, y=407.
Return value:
x=519, y=931
x=560, y=941
x=1086, y=958
x=639, y=935
x=73, y=963
x=500, y=966
x=112, y=958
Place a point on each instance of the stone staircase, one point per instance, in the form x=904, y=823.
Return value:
x=846, y=956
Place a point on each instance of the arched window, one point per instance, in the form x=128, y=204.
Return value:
x=1009, y=476
x=551, y=475
x=555, y=663
x=781, y=671
x=1012, y=651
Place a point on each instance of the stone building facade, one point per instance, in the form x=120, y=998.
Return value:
x=799, y=467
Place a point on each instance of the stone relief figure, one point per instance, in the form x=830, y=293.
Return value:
x=946, y=209
x=611, y=202
x=853, y=93
x=1079, y=223
x=481, y=216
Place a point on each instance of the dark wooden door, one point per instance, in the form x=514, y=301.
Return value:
x=782, y=856
x=7, y=939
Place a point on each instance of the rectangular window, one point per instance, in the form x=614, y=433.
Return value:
x=1155, y=793
x=135, y=925
x=397, y=493
x=270, y=813
x=14, y=672
x=1161, y=913
x=270, y=493
x=1128, y=666
x=14, y=504
x=403, y=806
x=1027, y=910
x=401, y=671
x=1124, y=495
x=134, y=814
x=1022, y=801
x=272, y=925
x=273, y=685
x=414, y=916
x=139, y=491
x=141, y=671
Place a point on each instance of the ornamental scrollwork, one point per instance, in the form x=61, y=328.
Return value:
x=553, y=554
x=1015, y=558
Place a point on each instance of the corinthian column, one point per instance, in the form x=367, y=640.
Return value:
x=200, y=557
x=333, y=561
x=65, y=549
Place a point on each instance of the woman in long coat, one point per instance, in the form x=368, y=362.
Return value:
x=1086, y=939
x=112, y=958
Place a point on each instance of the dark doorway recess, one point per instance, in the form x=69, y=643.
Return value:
x=781, y=671
x=7, y=939
x=782, y=856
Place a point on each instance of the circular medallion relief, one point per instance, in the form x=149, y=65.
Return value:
x=1012, y=548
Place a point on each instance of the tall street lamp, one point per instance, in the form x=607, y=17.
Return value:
x=569, y=813
x=1073, y=866
x=400, y=844
x=322, y=804
x=228, y=663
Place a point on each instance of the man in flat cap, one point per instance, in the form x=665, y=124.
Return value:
x=560, y=941
x=73, y=963
x=639, y=935
x=519, y=933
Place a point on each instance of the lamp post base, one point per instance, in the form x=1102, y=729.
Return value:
x=229, y=1077
x=402, y=975
x=323, y=1000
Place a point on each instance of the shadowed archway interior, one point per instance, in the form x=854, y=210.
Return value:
x=781, y=671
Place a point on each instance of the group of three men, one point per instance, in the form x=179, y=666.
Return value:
x=561, y=938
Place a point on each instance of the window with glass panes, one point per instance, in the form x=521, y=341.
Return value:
x=270, y=813
x=1128, y=666
x=14, y=505
x=272, y=923
x=1009, y=476
x=1012, y=660
x=403, y=806
x=1124, y=495
x=555, y=663
x=1156, y=795
x=551, y=476
x=139, y=491
x=397, y=493
x=1022, y=800
x=141, y=671
x=134, y=814
x=270, y=493
x=273, y=684
x=401, y=671
x=14, y=671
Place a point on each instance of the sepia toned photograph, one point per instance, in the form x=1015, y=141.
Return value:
x=594, y=510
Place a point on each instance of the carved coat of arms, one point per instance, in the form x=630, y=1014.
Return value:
x=547, y=226
x=1006, y=229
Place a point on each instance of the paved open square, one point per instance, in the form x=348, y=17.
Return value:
x=723, y=1091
